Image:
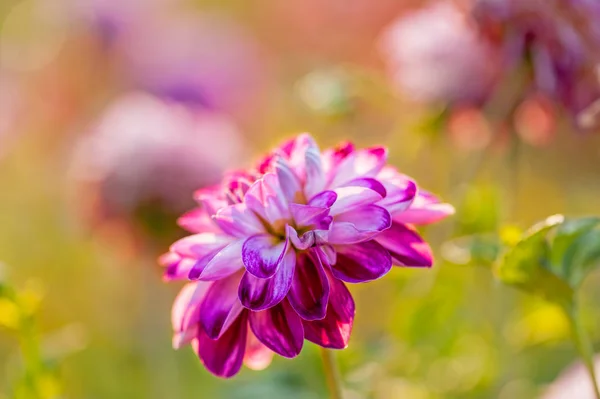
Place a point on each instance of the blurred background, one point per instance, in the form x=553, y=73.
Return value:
x=112, y=112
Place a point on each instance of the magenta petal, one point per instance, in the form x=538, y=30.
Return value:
x=224, y=356
x=238, y=221
x=334, y=330
x=198, y=267
x=262, y=293
x=306, y=215
x=367, y=163
x=222, y=264
x=362, y=262
x=349, y=198
x=368, y=182
x=197, y=221
x=288, y=180
x=315, y=175
x=359, y=225
x=406, y=246
x=262, y=254
x=186, y=312
x=279, y=328
x=309, y=292
x=324, y=199
x=176, y=267
x=267, y=199
x=302, y=242
x=211, y=199
x=200, y=245
x=220, y=307
x=425, y=209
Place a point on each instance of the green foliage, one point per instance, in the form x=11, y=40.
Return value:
x=553, y=257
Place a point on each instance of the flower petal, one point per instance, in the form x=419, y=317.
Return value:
x=425, y=209
x=401, y=190
x=267, y=199
x=334, y=330
x=324, y=199
x=309, y=292
x=211, y=199
x=259, y=293
x=258, y=356
x=200, y=245
x=224, y=356
x=406, y=246
x=198, y=221
x=307, y=216
x=368, y=182
x=349, y=198
x=361, y=163
x=288, y=180
x=221, y=264
x=176, y=267
x=303, y=242
x=279, y=328
x=262, y=254
x=238, y=221
x=220, y=307
x=315, y=175
x=186, y=313
x=359, y=225
x=361, y=262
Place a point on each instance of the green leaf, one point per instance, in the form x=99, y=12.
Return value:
x=553, y=257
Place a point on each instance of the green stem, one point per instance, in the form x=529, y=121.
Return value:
x=332, y=374
x=583, y=344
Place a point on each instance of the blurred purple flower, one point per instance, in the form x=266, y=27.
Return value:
x=471, y=54
x=573, y=383
x=560, y=40
x=278, y=242
x=197, y=59
x=435, y=54
x=144, y=150
x=176, y=52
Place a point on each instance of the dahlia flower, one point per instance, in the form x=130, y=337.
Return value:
x=273, y=247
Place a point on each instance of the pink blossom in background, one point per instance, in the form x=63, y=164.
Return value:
x=146, y=150
x=273, y=247
x=573, y=383
x=177, y=52
x=435, y=54
x=470, y=53
x=560, y=39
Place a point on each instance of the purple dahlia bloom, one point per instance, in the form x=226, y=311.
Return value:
x=274, y=246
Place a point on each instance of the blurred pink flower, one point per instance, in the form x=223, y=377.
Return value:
x=177, y=52
x=145, y=150
x=559, y=39
x=435, y=54
x=278, y=242
x=573, y=383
